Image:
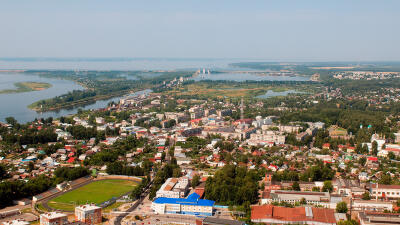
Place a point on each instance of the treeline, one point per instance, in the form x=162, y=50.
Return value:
x=67, y=173
x=119, y=148
x=28, y=136
x=17, y=189
x=346, y=118
x=119, y=168
x=167, y=171
x=319, y=172
x=12, y=190
x=233, y=185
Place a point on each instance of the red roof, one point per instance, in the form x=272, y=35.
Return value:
x=199, y=191
x=372, y=158
x=322, y=215
x=326, y=145
x=248, y=121
x=71, y=160
x=392, y=149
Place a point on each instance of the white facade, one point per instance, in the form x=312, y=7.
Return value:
x=174, y=188
x=388, y=191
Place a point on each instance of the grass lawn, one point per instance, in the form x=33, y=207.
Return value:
x=95, y=192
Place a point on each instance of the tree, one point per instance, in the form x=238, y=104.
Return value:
x=385, y=179
x=362, y=161
x=347, y=222
x=316, y=189
x=3, y=171
x=11, y=120
x=391, y=155
x=31, y=166
x=341, y=207
x=374, y=148
x=233, y=185
x=137, y=191
x=195, y=181
x=366, y=196
x=163, y=154
x=303, y=201
x=327, y=186
x=296, y=186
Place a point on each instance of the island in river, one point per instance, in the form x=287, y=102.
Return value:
x=26, y=87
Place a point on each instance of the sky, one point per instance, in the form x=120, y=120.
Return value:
x=281, y=30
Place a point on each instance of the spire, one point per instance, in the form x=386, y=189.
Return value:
x=242, y=110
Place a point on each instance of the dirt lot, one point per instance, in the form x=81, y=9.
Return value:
x=29, y=217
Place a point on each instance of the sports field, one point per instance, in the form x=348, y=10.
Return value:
x=95, y=192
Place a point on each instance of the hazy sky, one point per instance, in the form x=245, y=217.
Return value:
x=260, y=29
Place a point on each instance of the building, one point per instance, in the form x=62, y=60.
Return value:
x=53, y=218
x=15, y=222
x=268, y=136
x=88, y=214
x=292, y=197
x=377, y=218
x=224, y=112
x=174, y=188
x=192, y=205
x=348, y=187
x=372, y=205
x=300, y=215
x=385, y=191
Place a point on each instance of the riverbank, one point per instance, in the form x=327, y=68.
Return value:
x=27, y=87
x=38, y=108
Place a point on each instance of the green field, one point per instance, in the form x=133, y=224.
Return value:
x=95, y=192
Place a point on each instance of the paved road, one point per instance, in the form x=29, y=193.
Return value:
x=166, y=219
x=118, y=219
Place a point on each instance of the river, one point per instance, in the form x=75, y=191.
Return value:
x=15, y=104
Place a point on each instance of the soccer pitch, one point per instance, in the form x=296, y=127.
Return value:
x=95, y=192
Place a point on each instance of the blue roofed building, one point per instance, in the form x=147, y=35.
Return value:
x=192, y=205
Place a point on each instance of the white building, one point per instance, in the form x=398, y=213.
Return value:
x=192, y=205
x=15, y=222
x=174, y=188
x=53, y=218
x=268, y=136
x=385, y=191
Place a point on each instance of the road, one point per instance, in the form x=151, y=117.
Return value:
x=169, y=219
x=121, y=216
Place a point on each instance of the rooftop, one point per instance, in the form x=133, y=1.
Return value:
x=53, y=215
x=193, y=199
x=87, y=207
x=293, y=214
